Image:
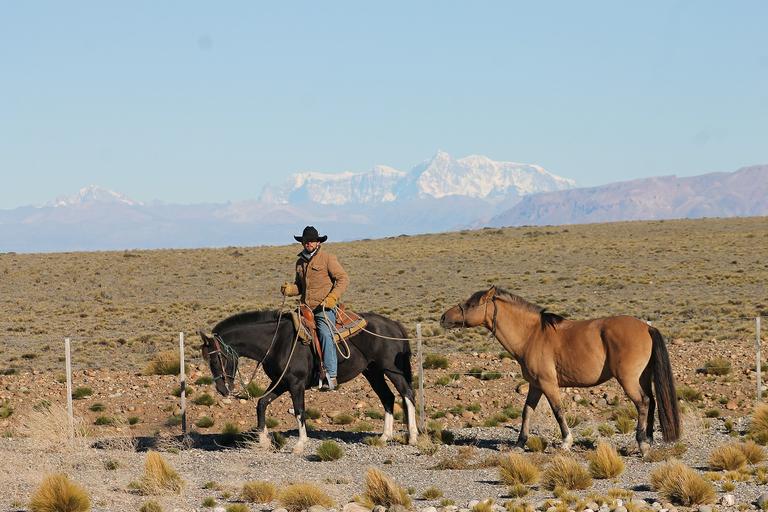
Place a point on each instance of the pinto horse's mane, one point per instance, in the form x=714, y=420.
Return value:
x=247, y=317
x=547, y=319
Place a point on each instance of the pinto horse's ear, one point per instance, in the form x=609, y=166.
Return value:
x=206, y=339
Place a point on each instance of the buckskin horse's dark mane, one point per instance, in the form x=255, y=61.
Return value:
x=264, y=315
x=547, y=319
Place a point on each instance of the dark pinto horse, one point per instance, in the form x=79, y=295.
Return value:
x=554, y=352
x=251, y=335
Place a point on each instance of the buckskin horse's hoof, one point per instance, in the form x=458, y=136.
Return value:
x=298, y=448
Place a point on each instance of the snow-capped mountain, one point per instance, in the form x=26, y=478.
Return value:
x=375, y=186
x=92, y=194
x=474, y=176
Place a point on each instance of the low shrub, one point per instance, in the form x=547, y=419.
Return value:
x=516, y=469
x=329, y=450
x=204, y=399
x=342, y=419
x=204, y=380
x=57, y=493
x=754, y=453
x=258, y=491
x=688, y=394
x=151, y=506
x=605, y=462
x=301, y=496
x=717, y=366
x=606, y=429
x=312, y=414
x=82, y=392
x=435, y=362
x=104, y=420
x=230, y=432
x=164, y=363
x=625, y=424
x=567, y=473
x=536, y=444
x=727, y=457
x=380, y=489
x=97, y=407
x=374, y=441
x=208, y=502
x=682, y=485
x=253, y=390
x=6, y=410
x=758, y=424
x=432, y=493
x=159, y=476
x=204, y=422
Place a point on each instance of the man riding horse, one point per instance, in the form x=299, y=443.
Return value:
x=320, y=280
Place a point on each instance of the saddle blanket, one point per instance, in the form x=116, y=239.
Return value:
x=348, y=324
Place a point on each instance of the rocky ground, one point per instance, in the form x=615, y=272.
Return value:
x=141, y=409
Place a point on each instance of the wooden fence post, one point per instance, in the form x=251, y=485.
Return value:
x=759, y=362
x=182, y=385
x=421, y=379
x=70, y=412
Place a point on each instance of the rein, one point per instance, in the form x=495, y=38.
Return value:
x=224, y=352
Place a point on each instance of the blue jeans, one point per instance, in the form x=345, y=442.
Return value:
x=325, y=321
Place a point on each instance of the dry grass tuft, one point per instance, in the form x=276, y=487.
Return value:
x=259, y=491
x=301, y=496
x=164, y=363
x=605, y=462
x=329, y=450
x=536, y=444
x=754, y=453
x=49, y=426
x=159, y=476
x=660, y=453
x=484, y=506
x=57, y=493
x=758, y=425
x=151, y=506
x=380, y=489
x=515, y=469
x=682, y=485
x=567, y=473
x=727, y=457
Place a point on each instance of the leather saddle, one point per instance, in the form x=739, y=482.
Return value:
x=348, y=323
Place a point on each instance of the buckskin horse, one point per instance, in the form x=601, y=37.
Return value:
x=271, y=339
x=554, y=352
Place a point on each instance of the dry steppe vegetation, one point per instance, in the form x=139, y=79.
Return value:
x=700, y=282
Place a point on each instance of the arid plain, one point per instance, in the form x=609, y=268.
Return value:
x=701, y=282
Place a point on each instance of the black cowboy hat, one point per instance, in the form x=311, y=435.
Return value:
x=310, y=234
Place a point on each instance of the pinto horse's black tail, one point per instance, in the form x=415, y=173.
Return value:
x=664, y=384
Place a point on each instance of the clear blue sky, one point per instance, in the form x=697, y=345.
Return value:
x=208, y=101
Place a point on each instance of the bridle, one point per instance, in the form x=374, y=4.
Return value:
x=495, y=313
x=223, y=353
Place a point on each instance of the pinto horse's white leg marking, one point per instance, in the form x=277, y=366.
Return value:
x=389, y=424
x=264, y=441
x=299, y=446
x=413, y=430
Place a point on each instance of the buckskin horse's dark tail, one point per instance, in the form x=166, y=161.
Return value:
x=664, y=384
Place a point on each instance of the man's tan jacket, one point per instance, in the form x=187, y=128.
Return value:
x=319, y=277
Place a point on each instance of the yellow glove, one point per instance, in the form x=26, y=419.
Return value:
x=330, y=301
x=289, y=289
